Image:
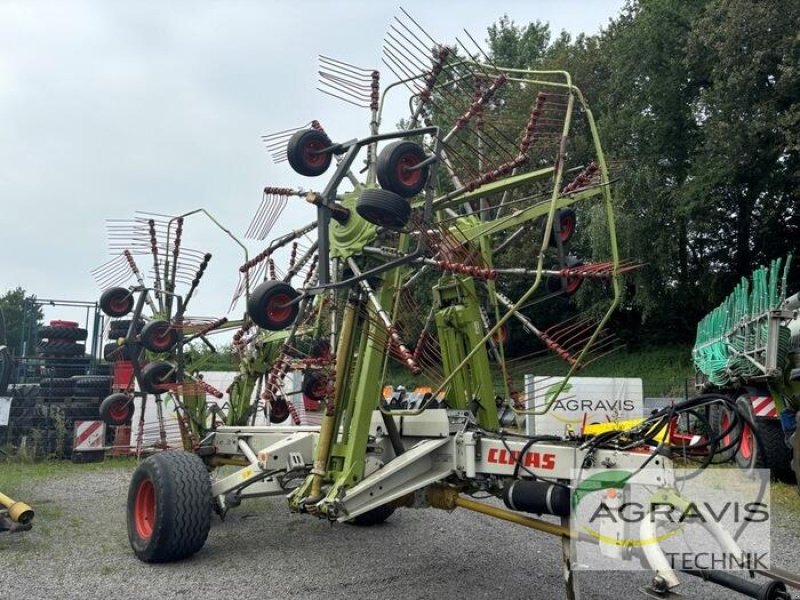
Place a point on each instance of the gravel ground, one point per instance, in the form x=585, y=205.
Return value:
x=79, y=549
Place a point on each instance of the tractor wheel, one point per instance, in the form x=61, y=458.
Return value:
x=306, y=152
x=396, y=168
x=116, y=302
x=778, y=457
x=169, y=507
x=384, y=208
x=159, y=336
x=156, y=376
x=376, y=516
x=278, y=410
x=118, y=329
x=71, y=334
x=566, y=221
x=59, y=348
x=269, y=305
x=117, y=409
x=93, y=386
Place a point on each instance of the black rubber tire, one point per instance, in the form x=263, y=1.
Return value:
x=113, y=352
x=56, y=383
x=394, y=161
x=303, y=152
x=778, y=456
x=315, y=385
x=91, y=456
x=117, y=409
x=268, y=305
x=169, y=507
x=320, y=347
x=119, y=329
x=376, y=516
x=384, y=208
x=555, y=285
x=159, y=336
x=567, y=220
x=116, y=302
x=73, y=334
x=278, y=410
x=156, y=375
x=92, y=386
x=60, y=348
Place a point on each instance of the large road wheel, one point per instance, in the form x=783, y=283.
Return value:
x=169, y=507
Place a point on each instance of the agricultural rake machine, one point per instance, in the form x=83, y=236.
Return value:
x=430, y=241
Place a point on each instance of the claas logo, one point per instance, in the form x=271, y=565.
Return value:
x=536, y=460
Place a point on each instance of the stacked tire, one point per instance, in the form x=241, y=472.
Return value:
x=61, y=345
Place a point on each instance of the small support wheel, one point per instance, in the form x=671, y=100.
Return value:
x=306, y=152
x=398, y=169
x=116, y=302
x=271, y=305
x=169, y=507
x=315, y=385
x=159, y=336
x=564, y=226
x=376, y=516
x=117, y=409
x=156, y=376
x=384, y=208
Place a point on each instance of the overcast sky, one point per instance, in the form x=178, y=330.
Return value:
x=109, y=107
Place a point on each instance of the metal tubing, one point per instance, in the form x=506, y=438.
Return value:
x=328, y=426
x=506, y=515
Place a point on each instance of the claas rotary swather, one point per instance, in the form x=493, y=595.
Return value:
x=461, y=226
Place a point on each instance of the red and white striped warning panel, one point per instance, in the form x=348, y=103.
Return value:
x=764, y=406
x=89, y=435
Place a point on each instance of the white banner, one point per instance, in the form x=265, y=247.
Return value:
x=584, y=400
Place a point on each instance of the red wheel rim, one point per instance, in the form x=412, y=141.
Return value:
x=319, y=388
x=573, y=283
x=278, y=308
x=501, y=335
x=406, y=173
x=161, y=338
x=746, y=448
x=144, y=509
x=119, y=304
x=313, y=155
x=68, y=324
x=118, y=411
x=725, y=423
x=567, y=224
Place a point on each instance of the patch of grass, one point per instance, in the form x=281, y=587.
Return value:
x=16, y=476
x=786, y=501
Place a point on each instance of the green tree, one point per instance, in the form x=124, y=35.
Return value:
x=20, y=318
x=746, y=169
